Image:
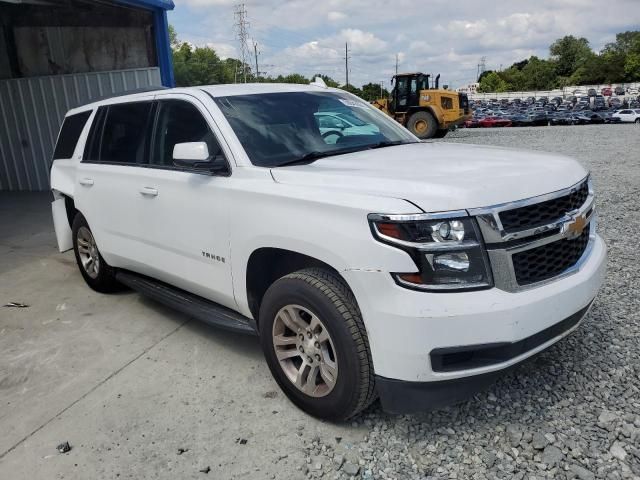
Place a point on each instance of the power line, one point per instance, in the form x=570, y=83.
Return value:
x=242, y=29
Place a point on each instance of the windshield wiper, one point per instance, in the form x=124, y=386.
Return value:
x=388, y=143
x=316, y=154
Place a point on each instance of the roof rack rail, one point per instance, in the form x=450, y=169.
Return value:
x=131, y=92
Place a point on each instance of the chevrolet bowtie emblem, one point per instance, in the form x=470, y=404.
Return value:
x=574, y=227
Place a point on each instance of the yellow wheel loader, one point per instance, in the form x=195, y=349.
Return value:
x=426, y=110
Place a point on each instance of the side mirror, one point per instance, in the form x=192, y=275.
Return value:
x=196, y=155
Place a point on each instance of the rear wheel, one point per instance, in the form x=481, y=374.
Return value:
x=637, y=120
x=423, y=125
x=316, y=345
x=95, y=271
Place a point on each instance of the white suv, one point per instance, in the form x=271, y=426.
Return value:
x=369, y=265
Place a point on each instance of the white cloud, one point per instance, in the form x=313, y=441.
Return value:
x=308, y=36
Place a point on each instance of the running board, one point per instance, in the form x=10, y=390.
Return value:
x=188, y=303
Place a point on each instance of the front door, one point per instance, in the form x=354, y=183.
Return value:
x=186, y=213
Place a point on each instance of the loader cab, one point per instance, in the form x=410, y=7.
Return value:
x=406, y=90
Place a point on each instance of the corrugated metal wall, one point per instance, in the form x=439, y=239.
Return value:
x=31, y=112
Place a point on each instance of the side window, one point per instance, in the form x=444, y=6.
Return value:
x=124, y=133
x=447, y=103
x=180, y=122
x=69, y=134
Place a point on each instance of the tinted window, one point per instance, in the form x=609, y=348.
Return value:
x=179, y=122
x=277, y=128
x=69, y=134
x=124, y=133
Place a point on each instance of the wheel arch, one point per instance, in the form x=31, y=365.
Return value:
x=267, y=264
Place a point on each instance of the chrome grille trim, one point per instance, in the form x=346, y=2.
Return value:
x=494, y=234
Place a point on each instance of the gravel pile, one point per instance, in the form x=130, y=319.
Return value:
x=571, y=413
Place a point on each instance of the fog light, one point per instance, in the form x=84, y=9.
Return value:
x=458, y=261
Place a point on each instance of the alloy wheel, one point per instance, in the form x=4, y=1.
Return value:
x=88, y=252
x=305, y=350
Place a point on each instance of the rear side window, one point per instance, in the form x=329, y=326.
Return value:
x=120, y=134
x=69, y=134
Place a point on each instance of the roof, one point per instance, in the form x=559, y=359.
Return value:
x=162, y=4
x=230, y=89
x=224, y=90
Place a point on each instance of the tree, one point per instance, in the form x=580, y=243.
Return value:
x=173, y=37
x=569, y=53
x=492, y=82
x=373, y=91
x=539, y=74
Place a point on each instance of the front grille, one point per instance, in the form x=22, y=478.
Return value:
x=550, y=260
x=543, y=213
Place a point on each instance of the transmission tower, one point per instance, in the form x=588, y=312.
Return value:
x=482, y=66
x=242, y=32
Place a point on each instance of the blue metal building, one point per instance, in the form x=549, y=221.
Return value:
x=58, y=54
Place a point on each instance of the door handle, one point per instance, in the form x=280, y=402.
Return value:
x=87, y=182
x=149, y=192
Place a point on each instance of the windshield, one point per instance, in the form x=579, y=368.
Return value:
x=280, y=128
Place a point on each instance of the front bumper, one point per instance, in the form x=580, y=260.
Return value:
x=405, y=327
x=399, y=396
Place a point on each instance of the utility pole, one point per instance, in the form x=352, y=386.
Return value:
x=255, y=51
x=346, y=62
x=242, y=25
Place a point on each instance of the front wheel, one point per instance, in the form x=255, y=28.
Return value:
x=423, y=125
x=315, y=344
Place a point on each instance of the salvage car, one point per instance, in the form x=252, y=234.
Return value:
x=375, y=266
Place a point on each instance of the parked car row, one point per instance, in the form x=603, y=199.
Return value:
x=556, y=111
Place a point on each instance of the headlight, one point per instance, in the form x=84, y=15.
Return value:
x=446, y=247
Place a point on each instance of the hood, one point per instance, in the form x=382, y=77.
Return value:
x=439, y=176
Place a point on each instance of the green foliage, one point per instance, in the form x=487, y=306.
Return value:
x=372, y=91
x=492, y=82
x=572, y=62
x=569, y=53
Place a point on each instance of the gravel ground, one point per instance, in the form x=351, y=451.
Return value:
x=572, y=412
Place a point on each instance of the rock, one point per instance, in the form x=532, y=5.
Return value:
x=618, y=451
x=338, y=460
x=607, y=420
x=205, y=470
x=515, y=434
x=552, y=456
x=64, y=447
x=539, y=441
x=350, y=468
x=581, y=472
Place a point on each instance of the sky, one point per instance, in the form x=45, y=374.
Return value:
x=438, y=36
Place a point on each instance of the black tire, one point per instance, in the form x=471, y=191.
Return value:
x=331, y=300
x=416, y=120
x=105, y=280
x=441, y=133
x=637, y=120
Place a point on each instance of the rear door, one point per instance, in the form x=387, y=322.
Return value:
x=108, y=179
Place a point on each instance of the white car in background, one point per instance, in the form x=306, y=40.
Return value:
x=335, y=125
x=629, y=115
